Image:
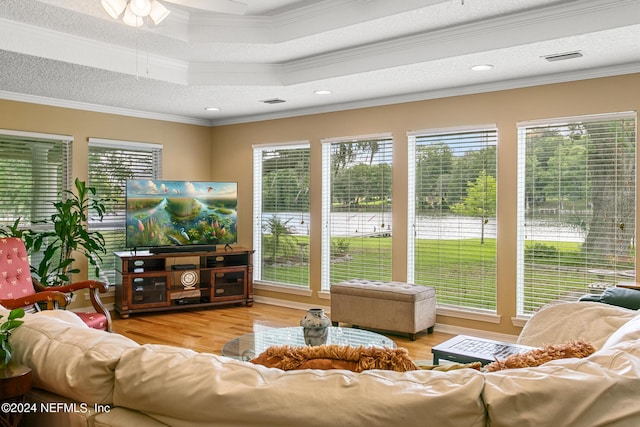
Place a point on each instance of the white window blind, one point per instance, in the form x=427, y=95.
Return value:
x=356, y=208
x=452, y=215
x=111, y=164
x=576, y=207
x=281, y=175
x=35, y=169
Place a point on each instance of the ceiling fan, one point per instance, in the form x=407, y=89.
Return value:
x=134, y=11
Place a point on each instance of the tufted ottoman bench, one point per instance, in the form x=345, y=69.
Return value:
x=391, y=306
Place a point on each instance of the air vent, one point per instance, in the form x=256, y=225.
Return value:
x=563, y=56
x=273, y=101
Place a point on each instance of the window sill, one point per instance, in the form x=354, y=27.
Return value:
x=520, y=321
x=293, y=290
x=468, y=314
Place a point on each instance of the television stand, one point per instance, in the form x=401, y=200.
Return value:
x=182, y=279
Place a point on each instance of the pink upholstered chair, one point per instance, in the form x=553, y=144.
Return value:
x=19, y=289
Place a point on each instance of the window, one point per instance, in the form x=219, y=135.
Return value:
x=356, y=208
x=452, y=215
x=281, y=208
x=576, y=207
x=111, y=164
x=35, y=170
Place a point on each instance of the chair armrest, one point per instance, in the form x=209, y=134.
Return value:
x=83, y=284
x=93, y=286
x=52, y=298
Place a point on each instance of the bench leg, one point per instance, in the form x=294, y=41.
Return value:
x=430, y=330
x=412, y=337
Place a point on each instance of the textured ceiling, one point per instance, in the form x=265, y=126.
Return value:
x=367, y=52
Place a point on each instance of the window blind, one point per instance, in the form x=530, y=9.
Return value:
x=452, y=215
x=111, y=164
x=35, y=169
x=356, y=208
x=576, y=207
x=281, y=176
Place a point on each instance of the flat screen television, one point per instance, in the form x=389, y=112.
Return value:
x=166, y=216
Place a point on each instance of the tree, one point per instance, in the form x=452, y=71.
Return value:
x=285, y=180
x=611, y=167
x=480, y=200
x=433, y=172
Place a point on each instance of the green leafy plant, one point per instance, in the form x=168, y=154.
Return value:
x=5, y=332
x=67, y=234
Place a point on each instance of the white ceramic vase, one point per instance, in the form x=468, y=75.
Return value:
x=315, y=326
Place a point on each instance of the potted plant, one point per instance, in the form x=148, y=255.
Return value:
x=5, y=332
x=69, y=235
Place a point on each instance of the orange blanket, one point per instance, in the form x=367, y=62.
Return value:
x=356, y=359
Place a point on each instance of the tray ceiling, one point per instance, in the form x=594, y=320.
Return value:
x=366, y=52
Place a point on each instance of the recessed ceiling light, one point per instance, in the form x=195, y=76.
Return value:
x=482, y=67
x=322, y=92
x=212, y=109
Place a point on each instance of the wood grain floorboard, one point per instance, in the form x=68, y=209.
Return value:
x=208, y=330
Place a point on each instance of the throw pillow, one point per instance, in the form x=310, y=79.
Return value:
x=622, y=297
x=356, y=359
x=538, y=356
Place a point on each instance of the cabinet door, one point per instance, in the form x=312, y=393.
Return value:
x=148, y=291
x=229, y=283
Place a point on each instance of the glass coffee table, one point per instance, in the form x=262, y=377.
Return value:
x=248, y=346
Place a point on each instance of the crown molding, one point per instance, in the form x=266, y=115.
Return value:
x=85, y=106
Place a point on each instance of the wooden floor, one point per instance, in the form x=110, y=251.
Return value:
x=208, y=330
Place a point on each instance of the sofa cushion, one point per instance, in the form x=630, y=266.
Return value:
x=564, y=322
x=180, y=387
x=630, y=331
x=69, y=359
x=63, y=316
x=600, y=389
x=569, y=392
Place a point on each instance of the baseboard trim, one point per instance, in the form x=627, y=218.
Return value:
x=289, y=304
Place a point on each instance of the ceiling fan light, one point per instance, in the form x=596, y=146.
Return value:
x=130, y=19
x=158, y=12
x=114, y=7
x=140, y=8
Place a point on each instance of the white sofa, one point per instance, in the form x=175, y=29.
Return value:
x=100, y=379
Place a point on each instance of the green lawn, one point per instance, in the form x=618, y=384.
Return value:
x=462, y=271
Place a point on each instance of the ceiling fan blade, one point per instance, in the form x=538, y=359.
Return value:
x=234, y=7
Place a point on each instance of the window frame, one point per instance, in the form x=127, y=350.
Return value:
x=326, y=215
x=114, y=220
x=522, y=309
x=258, y=199
x=492, y=132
